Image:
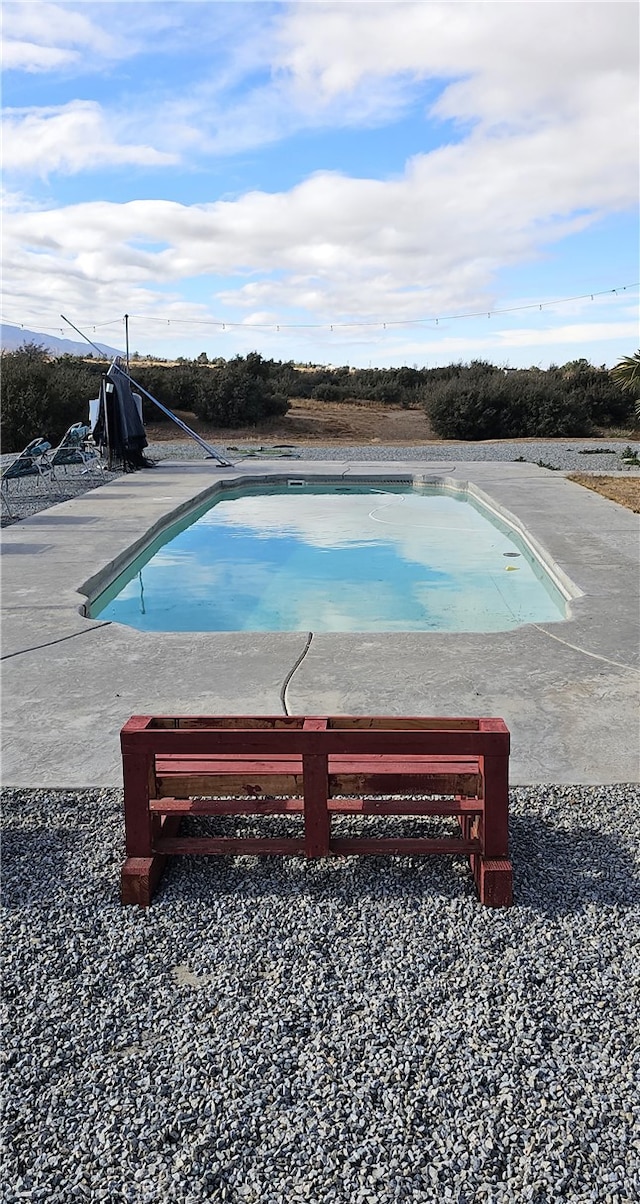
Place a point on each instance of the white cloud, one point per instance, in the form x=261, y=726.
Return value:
x=43, y=37
x=508, y=62
x=545, y=96
x=72, y=137
x=428, y=242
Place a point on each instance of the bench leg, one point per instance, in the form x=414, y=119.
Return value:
x=139, y=877
x=492, y=868
x=494, y=881
x=142, y=869
x=317, y=823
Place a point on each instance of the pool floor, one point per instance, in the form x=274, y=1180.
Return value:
x=305, y=557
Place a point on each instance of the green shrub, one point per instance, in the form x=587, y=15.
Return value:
x=241, y=393
x=608, y=402
x=43, y=396
x=489, y=403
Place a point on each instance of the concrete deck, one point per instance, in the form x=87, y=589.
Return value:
x=568, y=691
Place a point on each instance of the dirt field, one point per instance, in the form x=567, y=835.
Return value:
x=323, y=422
x=342, y=424
x=338, y=423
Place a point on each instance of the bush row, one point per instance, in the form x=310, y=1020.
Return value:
x=44, y=396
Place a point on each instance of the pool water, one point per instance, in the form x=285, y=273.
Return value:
x=320, y=558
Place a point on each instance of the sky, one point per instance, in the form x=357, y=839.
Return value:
x=372, y=184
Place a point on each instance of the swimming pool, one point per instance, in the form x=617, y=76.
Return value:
x=302, y=556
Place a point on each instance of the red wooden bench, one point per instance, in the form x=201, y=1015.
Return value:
x=317, y=768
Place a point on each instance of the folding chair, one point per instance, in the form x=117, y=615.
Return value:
x=33, y=464
x=74, y=450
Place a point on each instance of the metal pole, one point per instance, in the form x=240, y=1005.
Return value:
x=212, y=452
x=126, y=335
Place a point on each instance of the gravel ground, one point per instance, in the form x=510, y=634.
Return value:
x=357, y=1030
x=568, y=457
x=571, y=457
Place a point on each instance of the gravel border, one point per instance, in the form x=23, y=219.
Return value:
x=357, y=1030
x=350, y=1030
x=566, y=457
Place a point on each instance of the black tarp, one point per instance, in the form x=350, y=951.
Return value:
x=119, y=427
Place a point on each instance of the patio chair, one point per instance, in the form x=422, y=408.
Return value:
x=33, y=465
x=75, y=450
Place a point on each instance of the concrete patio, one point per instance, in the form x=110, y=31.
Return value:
x=569, y=691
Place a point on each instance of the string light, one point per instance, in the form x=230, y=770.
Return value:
x=407, y=322
x=511, y=309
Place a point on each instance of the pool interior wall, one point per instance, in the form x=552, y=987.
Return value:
x=371, y=555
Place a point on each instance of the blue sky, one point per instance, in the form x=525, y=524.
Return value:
x=328, y=183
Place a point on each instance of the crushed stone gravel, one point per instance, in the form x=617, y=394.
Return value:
x=348, y=1030
x=565, y=457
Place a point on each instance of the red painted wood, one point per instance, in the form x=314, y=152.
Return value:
x=317, y=824
x=139, y=877
x=223, y=806
x=496, y=807
x=406, y=847
x=355, y=806
x=231, y=846
x=344, y=756
x=494, y=881
x=272, y=742
x=338, y=764
x=139, y=785
x=333, y=722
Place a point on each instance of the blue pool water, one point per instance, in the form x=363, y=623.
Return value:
x=317, y=558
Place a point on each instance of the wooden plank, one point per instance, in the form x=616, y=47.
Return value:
x=317, y=824
x=233, y=763
x=230, y=846
x=228, y=722
x=204, y=806
x=139, y=878
x=400, y=723
x=494, y=881
x=495, y=835
x=295, y=806
x=335, y=722
x=338, y=763
x=405, y=847
x=139, y=785
x=177, y=785
x=404, y=783
x=272, y=742
x=435, y=807
x=183, y=785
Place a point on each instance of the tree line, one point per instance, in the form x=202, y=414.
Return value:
x=41, y=395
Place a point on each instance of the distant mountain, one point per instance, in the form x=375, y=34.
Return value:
x=13, y=337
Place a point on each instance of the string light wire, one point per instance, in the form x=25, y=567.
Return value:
x=384, y=323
